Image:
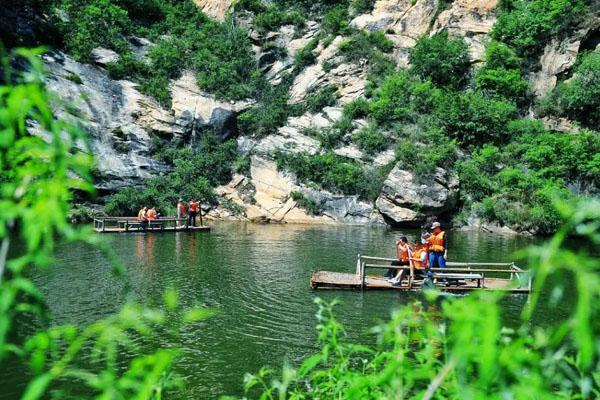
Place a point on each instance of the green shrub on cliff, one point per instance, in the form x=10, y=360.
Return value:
x=578, y=98
x=332, y=172
x=527, y=25
x=370, y=140
x=443, y=60
x=422, y=149
x=195, y=173
x=273, y=17
x=99, y=23
x=515, y=184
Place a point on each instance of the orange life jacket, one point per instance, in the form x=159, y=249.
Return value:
x=193, y=206
x=436, y=242
x=416, y=259
x=151, y=215
x=181, y=208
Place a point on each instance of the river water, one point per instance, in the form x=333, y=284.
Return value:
x=256, y=277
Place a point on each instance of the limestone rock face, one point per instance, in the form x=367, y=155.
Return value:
x=120, y=120
x=195, y=110
x=349, y=79
x=104, y=56
x=471, y=19
x=559, y=56
x=216, y=9
x=405, y=202
x=265, y=196
x=116, y=116
x=403, y=22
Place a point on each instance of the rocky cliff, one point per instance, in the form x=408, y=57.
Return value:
x=122, y=121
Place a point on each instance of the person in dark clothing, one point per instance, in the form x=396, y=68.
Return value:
x=193, y=212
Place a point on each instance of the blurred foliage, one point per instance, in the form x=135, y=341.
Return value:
x=458, y=348
x=43, y=160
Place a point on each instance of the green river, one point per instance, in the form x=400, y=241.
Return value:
x=257, y=278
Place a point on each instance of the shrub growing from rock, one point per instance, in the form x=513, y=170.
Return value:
x=443, y=60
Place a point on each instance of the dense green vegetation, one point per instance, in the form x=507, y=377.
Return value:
x=579, y=98
x=195, y=173
x=442, y=60
x=39, y=177
x=440, y=112
x=458, y=347
x=527, y=25
x=333, y=172
x=218, y=52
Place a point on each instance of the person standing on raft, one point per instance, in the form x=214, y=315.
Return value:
x=438, y=248
x=180, y=211
x=192, y=212
x=141, y=217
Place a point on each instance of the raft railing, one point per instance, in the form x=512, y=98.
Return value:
x=451, y=266
x=103, y=224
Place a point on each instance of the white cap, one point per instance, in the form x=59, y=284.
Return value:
x=435, y=225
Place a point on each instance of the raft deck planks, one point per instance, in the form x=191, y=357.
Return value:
x=342, y=280
x=114, y=229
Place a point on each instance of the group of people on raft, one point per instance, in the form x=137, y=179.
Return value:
x=147, y=215
x=430, y=253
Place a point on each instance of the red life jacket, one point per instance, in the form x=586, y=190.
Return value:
x=193, y=206
x=404, y=252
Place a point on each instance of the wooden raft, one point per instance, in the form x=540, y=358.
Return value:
x=471, y=276
x=131, y=224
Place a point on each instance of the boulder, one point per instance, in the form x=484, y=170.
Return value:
x=216, y=9
x=196, y=111
x=102, y=56
x=404, y=201
x=341, y=208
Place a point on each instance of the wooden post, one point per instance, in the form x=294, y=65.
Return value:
x=358, y=266
x=411, y=276
x=103, y=223
x=362, y=275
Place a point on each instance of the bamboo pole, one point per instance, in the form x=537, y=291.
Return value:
x=449, y=263
x=381, y=266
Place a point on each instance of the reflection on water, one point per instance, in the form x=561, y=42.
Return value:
x=256, y=277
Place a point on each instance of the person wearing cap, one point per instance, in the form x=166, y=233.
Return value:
x=180, y=211
x=438, y=247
